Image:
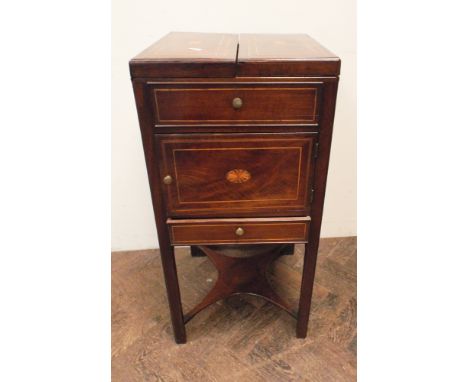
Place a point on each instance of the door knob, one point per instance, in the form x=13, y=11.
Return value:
x=167, y=179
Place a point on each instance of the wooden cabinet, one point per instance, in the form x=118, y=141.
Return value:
x=236, y=132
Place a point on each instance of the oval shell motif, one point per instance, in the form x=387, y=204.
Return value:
x=238, y=176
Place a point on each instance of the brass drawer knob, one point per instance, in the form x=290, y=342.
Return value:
x=240, y=231
x=167, y=179
x=237, y=103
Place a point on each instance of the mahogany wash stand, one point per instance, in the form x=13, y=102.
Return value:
x=236, y=132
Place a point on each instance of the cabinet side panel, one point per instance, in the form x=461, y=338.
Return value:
x=167, y=252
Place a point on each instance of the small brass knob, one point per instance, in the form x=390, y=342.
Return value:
x=240, y=231
x=237, y=103
x=167, y=179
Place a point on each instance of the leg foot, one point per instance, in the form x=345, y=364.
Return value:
x=308, y=275
x=173, y=293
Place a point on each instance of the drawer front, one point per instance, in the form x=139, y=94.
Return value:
x=236, y=104
x=232, y=231
x=234, y=175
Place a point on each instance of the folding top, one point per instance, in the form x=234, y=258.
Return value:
x=184, y=54
x=284, y=55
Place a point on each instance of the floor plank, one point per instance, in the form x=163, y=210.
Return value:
x=243, y=338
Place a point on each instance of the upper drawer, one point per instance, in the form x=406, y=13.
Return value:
x=234, y=103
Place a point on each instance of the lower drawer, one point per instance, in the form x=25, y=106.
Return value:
x=238, y=231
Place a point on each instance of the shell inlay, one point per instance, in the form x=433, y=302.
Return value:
x=238, y=176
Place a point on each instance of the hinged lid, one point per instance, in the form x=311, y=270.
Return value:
x=185, y=54
x=181, y=54
x=284, y=55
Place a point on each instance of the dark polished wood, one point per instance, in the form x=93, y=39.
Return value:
x=167, y=252
x=184, y=54
x=311, y=249
x=279, y=168
x=237, y=134
x=213, y=103
x=243, y=273
x=228, y=55
x=280, y=55
x=224, y=231
x=286, y=250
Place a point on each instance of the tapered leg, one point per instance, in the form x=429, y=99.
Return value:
x=308, y=275
x=173, y=293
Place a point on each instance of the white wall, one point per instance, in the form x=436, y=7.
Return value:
x=136, y=24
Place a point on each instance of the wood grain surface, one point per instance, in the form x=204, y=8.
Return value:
x=242, y=338
x=210, y=103
x=187, y=54
x=224, y=231
x=192, y=46
x=280, y=168
x=183, y=53
x=189, y=173
x=281, y=54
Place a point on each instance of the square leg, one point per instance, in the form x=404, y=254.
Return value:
x=305, y=299
x=173, y=294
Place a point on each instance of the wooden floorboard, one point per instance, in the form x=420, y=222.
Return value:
x=242, y=338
